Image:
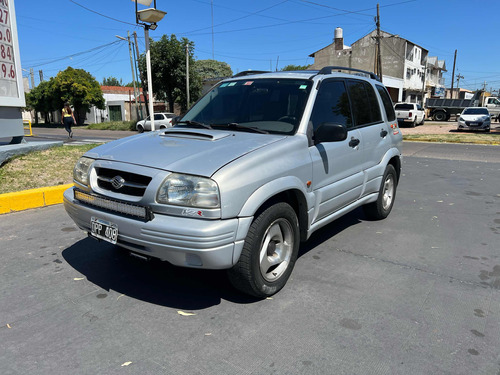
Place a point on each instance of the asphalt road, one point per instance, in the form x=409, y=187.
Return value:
x=417, y=293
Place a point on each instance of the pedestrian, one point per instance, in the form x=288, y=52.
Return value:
x=68, y=119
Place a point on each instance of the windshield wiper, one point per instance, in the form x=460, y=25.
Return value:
x=195, y=124
x=234, y=125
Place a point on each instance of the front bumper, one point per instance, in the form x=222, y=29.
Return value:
x=182, y=241
x=466, y=125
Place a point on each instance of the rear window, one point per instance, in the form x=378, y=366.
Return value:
x=364, y=103
x=386, y=100
x=404, y=106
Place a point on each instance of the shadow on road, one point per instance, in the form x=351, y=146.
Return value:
x=111, y=268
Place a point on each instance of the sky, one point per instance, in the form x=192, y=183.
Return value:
x=257, y=34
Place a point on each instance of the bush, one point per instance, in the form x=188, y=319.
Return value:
x=114, y=125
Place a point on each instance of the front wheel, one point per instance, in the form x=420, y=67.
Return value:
x=439, y=116
x=269, y=252
x=382, y=207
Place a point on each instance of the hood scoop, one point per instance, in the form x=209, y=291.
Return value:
x=194, y=134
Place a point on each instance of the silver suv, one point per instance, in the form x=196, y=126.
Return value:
x=251, y=170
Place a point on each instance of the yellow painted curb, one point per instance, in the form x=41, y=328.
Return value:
x=34, y=198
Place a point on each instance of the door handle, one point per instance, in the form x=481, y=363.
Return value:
x=354, y=142
x=383, y=133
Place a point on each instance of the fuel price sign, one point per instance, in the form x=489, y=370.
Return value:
x=11, y=89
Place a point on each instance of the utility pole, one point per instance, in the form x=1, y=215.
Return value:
x=453, y=74
x=459, y=77
x=187, y=78
x=423, y=85
x=32, y=75
x=133, y=73
x=142, y=81
x=378, y=44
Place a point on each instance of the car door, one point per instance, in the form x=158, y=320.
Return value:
x=421, y=114
x=337, y=174
x=375, y=129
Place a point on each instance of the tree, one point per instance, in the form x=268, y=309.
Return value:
x=111, y=81
x=80, y=89
x=212, y=69
x=295, y=67
x=168, y=66
x=41, y=99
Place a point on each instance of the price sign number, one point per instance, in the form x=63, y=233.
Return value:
x=8, y=71
x=4, y=16
x=5, y=35
x=5, y=52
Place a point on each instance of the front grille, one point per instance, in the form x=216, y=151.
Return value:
x=122, y=182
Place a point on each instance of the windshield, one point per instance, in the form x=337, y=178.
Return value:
x=273, y=105
x=475, y=111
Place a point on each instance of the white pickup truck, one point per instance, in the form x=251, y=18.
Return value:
x=410, y=113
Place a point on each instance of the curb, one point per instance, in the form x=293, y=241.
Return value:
x=33, y=198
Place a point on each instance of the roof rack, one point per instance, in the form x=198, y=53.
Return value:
x=330, y=69
x=249, y=72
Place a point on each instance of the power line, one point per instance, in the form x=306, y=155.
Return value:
x=102, y=15
x=73, y=55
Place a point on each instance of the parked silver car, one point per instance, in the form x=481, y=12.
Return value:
x=163, y=120
x=251, y=170
x=474, y=118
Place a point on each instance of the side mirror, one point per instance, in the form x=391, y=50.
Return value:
x=330, y=132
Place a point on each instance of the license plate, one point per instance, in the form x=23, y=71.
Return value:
x=104, y=230
x=474, y=124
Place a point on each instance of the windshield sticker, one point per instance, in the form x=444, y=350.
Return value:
x=303, y=87
x=224, y=84
x=248, y=83
x=232, y=84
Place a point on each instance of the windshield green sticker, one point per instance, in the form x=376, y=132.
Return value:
x=224, y=84
x=232, y=84
x=303, y=87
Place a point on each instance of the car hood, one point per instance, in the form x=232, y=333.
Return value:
x=475, y=117
x=192, y=151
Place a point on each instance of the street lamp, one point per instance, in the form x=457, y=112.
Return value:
x=148, y=18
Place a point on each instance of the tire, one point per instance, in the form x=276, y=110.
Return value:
x=269, y=252
x=140, y=128
x=423, y=121
x=382, y=207
x=439, y=116
x=414, y=123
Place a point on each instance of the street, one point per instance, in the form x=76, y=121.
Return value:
x=416, y=293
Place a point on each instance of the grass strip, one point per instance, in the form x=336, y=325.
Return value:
x=474, y=138
x=38, y=169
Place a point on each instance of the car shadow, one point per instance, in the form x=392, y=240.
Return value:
x=112, y=268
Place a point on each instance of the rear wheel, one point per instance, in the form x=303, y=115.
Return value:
x=382, y=207
x=439, y=116
x=414, y=123
x=269, y=252
x=140, y=128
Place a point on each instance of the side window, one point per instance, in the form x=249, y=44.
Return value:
x=365, y=105
x=386, y=100
x=332, y=105
x=158, y=116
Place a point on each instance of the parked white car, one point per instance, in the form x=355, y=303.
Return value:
x=474, y=118
x=410, y=113
x=163, y=120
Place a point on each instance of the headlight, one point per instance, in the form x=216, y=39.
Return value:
x=461, y=119
x=186, y=190
x=81, y=170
